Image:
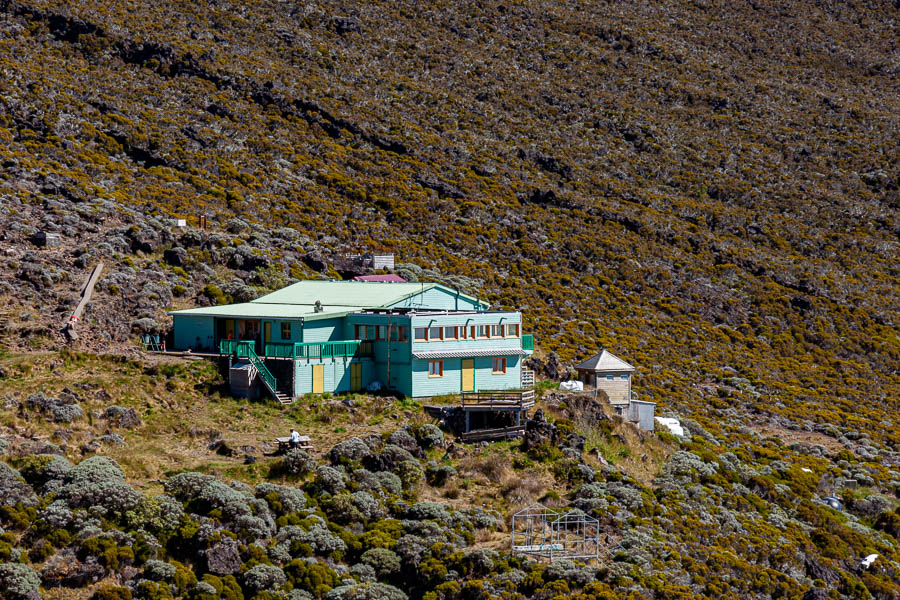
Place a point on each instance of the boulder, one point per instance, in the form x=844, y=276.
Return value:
x=223, y=558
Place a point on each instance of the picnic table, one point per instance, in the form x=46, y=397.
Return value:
x=284, y=443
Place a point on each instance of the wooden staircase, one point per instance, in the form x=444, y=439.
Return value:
x=268, y=380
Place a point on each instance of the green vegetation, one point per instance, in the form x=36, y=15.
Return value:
x=709, y=189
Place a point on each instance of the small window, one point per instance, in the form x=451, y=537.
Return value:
x=625, y=376
x=370, y=332
x=449, y=333
x=498, y=366
x=435, y=368
x=484, y=331
x=379, y=332
x=435, y=333
x=463, y=332
x=285, y=331
x=359, y=331
x=404, y=333
x=512, y=330
x=610, y=377
x=496, y=330
x=421, y=334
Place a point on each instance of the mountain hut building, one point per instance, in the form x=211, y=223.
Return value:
x=419, y=339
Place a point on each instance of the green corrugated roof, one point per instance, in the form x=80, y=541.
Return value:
x=248, y=310
x=368, y=294
x=298, y=300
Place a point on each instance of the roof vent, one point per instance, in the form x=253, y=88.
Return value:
x=318, y=307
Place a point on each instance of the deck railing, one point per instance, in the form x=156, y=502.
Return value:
x=278, y=350
x=237, y=347
x=298, y=350
x=528, y=341
x=261, y=368
x=345, y=349
x=499, y=398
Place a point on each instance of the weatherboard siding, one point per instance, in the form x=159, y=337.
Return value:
x=324, y=330
x=336, y=374
x=436, y=299
x=196, y=333
x=618, y=389
x=451, y=382
x=468, y=320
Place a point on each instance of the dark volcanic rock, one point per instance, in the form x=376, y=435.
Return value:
x=64, y=570
x=119, y=416
x=176, y=256
x=224, y=557
x=344, y=25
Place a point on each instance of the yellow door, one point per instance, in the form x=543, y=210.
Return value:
x=318, y=379
x=355, y=377
x=468, y=375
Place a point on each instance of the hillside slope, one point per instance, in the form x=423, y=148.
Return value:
x=706, y=189
x=709, y=189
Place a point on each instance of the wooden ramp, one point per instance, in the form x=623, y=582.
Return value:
x=86, y=292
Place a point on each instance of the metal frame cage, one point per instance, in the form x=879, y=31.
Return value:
x=543, y=532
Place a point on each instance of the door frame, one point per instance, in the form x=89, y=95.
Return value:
x=462, y=374
x=356, y=377
x=319, y=370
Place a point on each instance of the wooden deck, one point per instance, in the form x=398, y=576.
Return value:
x=497, y=400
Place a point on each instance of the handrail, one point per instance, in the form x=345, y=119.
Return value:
x=236, y=347
x=348, y=348
x=243, y=348
x=262, y=369
x=499, y=398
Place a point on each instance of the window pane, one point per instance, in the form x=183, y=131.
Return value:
x=449, y=333
x=484, y=331
x=512, y=330
x=496, y=331
x=404, y=333
x=434, y=333
x=285, y=331
x=421, y=334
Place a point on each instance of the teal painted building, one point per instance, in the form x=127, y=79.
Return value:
x=420, y=339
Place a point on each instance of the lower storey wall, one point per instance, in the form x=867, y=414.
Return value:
x=336, y=374
x=451, y=381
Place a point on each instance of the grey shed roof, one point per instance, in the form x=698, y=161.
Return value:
x=464, y=353
x=605, y=361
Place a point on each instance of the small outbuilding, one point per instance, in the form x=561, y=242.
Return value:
x=611, y=374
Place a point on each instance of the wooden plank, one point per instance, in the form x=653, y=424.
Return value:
x=493, y=434
x=86, y=293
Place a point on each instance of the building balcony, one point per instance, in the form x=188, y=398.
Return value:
x=300, y=351
x=528, y=343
